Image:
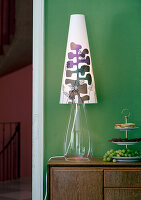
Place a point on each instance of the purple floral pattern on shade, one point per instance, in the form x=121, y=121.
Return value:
x=78, y=65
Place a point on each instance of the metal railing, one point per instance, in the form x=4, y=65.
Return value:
x=9, y=150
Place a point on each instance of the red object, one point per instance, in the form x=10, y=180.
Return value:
x=16, y=105
x=125, y=140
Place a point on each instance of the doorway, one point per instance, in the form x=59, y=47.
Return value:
x=16, y=99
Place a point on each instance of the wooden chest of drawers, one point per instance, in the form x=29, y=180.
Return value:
x=93, y=180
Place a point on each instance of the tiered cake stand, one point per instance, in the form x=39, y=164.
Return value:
x=126, y=159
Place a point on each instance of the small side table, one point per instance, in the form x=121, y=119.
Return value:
x=93, y=180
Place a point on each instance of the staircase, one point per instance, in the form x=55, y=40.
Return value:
x=9, y=150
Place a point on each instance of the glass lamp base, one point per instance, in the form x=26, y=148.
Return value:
x=77, y=141
x=77, y=158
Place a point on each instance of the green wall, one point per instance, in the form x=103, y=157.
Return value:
x=114, y=32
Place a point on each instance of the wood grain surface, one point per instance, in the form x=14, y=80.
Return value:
x=93, y=180
x=76, y=183
x=122, y=194
x=95, y=161
x=122, y=178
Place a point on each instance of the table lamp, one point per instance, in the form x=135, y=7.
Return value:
x=78, y=89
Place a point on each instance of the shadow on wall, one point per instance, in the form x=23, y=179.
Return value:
x=16, y=40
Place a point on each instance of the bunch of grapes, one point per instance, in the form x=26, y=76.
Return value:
x=108, y=156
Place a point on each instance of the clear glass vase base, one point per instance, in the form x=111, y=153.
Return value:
x=77, y=158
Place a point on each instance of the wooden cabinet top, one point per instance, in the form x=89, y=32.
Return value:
x=95, y=161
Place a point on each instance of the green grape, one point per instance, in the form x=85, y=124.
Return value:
x=112, y=151
x=128, y=151
x=137, y=153
x=120, y=153
x=123, y=150
x=111, y=155
x=133, y=155
x=114, y=160
x=107, y=154
x=104, y=159
x=108, y=159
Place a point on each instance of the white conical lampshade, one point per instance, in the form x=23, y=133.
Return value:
x=78, y=80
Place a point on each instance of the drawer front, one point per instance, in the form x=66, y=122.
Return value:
x=122, y=178
x=76, y=183
x=122, y=194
